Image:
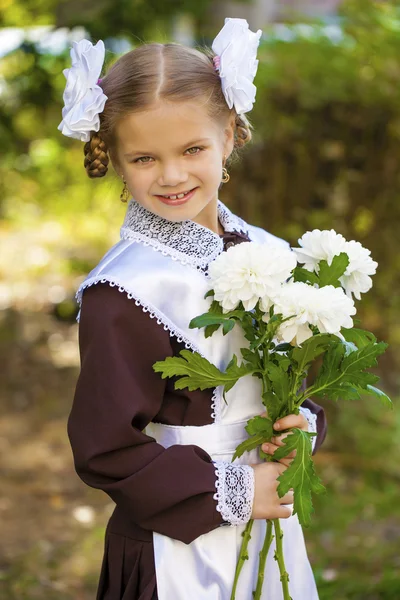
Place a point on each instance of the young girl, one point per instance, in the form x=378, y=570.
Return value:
x=169, y=117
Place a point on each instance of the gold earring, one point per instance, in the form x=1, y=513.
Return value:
x=125, y=193
x=225, y=175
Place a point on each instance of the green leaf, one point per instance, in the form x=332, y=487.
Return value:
x=248, y=445
x=260, y=425
x=343, y=375
x=359, y=337
x=273, y=405
x=330, y=274
x=300, y=475
x=210, y=329
x=253, y=358
x=379, y=394
x=331, y=365
x=305, y=354
x=234, y=372
x=364, y=358
x=284, y=347
x=247, y=324
x=206, y=319
x=280, y=380
x=228, y=326
x=301, y=274
x=209, y=293
x=197, y=372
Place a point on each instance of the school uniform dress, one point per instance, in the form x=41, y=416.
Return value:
x=164, y=455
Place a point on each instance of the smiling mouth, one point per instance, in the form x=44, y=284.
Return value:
x=176, y=196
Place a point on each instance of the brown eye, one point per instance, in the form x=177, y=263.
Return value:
x=194, y=148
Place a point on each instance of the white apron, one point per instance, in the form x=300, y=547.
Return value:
x=157, y=263
x=204, y=569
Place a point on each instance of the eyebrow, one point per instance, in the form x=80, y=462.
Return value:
x=188, y=145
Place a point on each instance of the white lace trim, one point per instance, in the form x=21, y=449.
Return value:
x=235, y=492
x=216, y=404
x=184, y=241
x=312, y=423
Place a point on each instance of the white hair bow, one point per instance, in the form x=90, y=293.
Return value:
x=83, y=99
x=236, y=49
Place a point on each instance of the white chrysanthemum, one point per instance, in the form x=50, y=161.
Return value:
x=327, y=308
x=249, y=271
x=356, y=279
x=319, y=245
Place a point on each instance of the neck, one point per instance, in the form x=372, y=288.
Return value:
x=208, y=217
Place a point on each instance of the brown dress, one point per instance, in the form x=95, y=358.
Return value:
x=169, y=491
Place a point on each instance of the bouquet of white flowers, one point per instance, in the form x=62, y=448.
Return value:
x=290, y=315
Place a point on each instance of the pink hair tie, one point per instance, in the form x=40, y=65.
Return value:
x=99, y=81
x=217, y=62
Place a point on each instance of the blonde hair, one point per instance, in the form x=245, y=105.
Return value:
x=149, y=73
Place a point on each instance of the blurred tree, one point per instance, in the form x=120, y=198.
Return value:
x=129, y=18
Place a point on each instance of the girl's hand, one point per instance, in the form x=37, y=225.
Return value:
x=266, y=503
x=289, y=422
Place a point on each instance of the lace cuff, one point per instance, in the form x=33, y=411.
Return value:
x=312, y=423
x=235, y=492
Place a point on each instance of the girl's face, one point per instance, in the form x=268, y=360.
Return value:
x=175, y=148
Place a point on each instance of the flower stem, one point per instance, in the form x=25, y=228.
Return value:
x=279, y=558
x=243, y=556
x=263, y=559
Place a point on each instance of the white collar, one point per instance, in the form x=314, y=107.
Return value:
x=185, y=241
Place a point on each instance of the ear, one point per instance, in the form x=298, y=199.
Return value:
x=230, y=135
x=116, y=165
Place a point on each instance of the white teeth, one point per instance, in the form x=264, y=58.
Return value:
x=179, y=196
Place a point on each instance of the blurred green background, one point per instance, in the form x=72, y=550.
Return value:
x=325, y=153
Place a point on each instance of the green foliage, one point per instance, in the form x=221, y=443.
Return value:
x=198, y=373
x=214, y=318
x=327, y=275
x=343, y=374
x=305, y=354
x=330, y=274
x=300, y=474
x=260, y=429
x=131, y=18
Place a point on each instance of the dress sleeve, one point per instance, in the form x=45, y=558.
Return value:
x=170, y=491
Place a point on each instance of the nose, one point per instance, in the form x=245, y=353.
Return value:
x=172, y=174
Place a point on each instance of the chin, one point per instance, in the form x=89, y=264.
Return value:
x=183, y=212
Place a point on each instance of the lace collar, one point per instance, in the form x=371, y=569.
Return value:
x=185, y=241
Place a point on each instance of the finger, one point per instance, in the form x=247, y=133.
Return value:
x=286, y=461
x=278, y=439
x=286, y=510
x=280, y=468
x=269, y=448
x=292, y=421
x=287, y=498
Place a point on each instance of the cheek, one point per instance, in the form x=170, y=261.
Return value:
x=213, y=167
x=139, y=178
